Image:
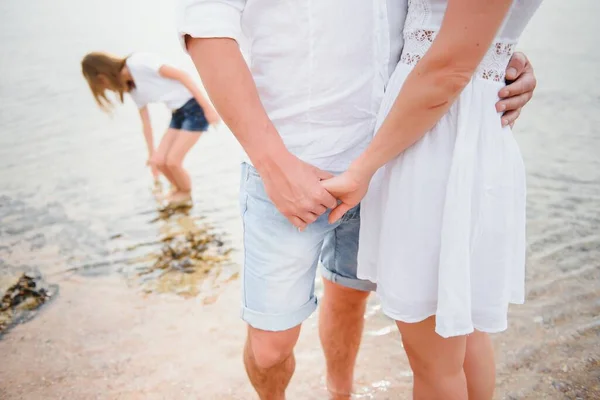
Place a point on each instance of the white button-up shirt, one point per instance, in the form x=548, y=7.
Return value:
x=320, y=66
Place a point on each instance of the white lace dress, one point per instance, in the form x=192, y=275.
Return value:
x=443, y=224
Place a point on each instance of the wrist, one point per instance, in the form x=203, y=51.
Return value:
x=362, y=168
x=269, y=154
x=272, y=159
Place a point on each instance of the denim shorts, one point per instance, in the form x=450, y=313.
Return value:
x=280, y=263
x=189, y=117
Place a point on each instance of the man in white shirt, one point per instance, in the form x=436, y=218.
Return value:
x=304, y=108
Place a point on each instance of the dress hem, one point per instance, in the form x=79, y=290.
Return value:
x=460, y=332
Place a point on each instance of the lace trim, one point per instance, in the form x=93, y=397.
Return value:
x=492, y=67
x=419, y=12
x=416, y=44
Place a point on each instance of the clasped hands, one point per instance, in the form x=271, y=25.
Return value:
x=303, y=192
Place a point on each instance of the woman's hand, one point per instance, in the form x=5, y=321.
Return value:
x=349, y=188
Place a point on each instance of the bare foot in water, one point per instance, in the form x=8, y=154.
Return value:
x=179, y=198
x=167, y=196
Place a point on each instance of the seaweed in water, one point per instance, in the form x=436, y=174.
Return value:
x=187, y=260
x=24, y=296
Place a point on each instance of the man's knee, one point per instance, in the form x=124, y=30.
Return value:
x=272, y=348
x=344, y=296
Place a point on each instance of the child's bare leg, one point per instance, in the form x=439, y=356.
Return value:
x=174, y=163
x=159, y=158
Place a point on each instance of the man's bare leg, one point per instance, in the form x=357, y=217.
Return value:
x=341, y=322
x=269, y=361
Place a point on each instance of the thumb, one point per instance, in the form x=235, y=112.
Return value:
x=516, y=66
x=338, y=212
x=323, y=174
x=331, y=185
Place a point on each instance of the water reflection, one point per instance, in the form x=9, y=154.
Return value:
x=188, y=258
x=170, y=250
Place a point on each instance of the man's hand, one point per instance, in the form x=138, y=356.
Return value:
x=295, y=188
x=521, y=83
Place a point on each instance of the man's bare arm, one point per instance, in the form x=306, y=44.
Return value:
x=231, y=88
x=292, y=185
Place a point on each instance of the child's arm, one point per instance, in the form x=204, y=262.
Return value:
x=169, y=72
x=147, y=129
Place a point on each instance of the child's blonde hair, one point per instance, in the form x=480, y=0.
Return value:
x=102, y=71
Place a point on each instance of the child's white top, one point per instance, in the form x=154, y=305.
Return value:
x=150, y=86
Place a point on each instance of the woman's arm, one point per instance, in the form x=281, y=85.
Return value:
x=147, y=129
x=467, y=31
x=166, y=71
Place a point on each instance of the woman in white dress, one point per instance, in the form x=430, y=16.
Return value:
x=443, y=220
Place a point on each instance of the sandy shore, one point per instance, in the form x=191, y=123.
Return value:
x=101, y=339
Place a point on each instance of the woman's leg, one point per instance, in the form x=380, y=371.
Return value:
x=174, y=160
x=437, y=363
x=159, y=158
x=480, y=368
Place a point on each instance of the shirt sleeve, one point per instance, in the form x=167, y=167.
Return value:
x=149, y=63
x=210, y=19
x=143, y=67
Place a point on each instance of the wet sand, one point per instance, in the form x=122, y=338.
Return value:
x=76, y=205
x=104, y=340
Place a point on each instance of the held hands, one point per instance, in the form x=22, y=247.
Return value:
x=349, y=188
x=296, y=190
x=303, y=192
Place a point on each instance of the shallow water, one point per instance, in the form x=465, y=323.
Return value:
x=72, y=177
x=75, y=194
